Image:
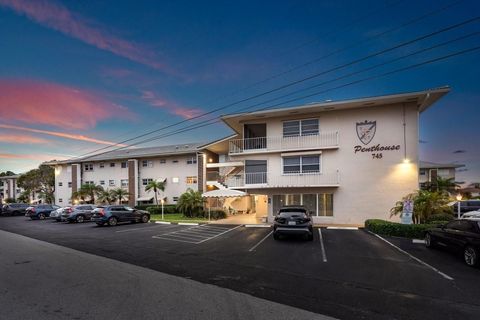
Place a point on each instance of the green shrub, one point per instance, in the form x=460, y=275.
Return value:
x=438, y=223
x=215, y=214
x=167, y=209
x=440, y=217
x=394, y=229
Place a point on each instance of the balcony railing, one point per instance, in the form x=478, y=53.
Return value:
x=280, y=143
x=264, y=179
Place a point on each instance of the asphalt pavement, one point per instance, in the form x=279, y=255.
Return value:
x=353, y=275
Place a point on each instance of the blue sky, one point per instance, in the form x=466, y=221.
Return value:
x=76, y=76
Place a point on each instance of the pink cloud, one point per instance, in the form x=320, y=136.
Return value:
x=59, y=18
x=78, y=137
x=156, y=101
x=36, y=156
x=22, y=139
x=56, y=105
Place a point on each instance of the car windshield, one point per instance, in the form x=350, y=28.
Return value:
x=292, y=214
x=128, y=208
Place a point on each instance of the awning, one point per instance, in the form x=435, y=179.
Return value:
x=147, y=198
x=223, y=193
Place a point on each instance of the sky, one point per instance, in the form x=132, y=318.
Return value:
x=80, y=76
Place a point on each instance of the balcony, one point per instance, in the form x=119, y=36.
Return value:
x=323, y=140
x=266, y=180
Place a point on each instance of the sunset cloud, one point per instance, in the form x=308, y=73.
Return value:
x=36, y=156
x=173, y=108
x=45, y=103
x=78, y=137
x=22, y=139
x=57, y=17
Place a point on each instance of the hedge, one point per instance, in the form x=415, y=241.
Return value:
x=388, y=228
x=440, y=217
x=167, y=209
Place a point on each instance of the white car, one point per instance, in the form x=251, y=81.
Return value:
x=56, y=214
x=471, y=214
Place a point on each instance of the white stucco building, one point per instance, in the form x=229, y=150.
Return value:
x=346, y=161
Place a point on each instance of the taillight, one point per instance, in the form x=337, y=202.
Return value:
x=69, y=210
x=101, y=212
x=33, y=209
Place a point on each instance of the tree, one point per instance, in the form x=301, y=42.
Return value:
x=91, y=191
x=119, y=194
x=442, y=184
x=79, y=195
x=40, y=180
x=156, y=186
x=7, y=173
x=425, y=204
x=105, y=196
x=190, y=203
x=24, y=197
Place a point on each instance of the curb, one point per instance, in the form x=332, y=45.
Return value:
x=162, y=222
x=257, y=226
x=342, y=228
x=179, y=223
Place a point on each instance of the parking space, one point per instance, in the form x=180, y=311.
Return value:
x=347, y=274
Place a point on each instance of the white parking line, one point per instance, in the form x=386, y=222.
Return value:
x=220, y=234
x=258, y=243
x=324, y=254
x=342, y=228
x=145, y=228
x=195, y=234
x=413, y=257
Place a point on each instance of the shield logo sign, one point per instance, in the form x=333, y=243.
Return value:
x=366, y=131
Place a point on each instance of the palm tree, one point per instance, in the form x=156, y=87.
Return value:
x=445, y=184
x=105, y=196
x=79, y=195
x=190, y=203
x=91, y=190
x=156, y=186
x=425, y=203
x=119, y=194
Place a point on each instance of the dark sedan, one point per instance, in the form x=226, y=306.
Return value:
x=112, y=215
x=459, y=235
x=78, y=213
x=40, y=212
x=293, y=220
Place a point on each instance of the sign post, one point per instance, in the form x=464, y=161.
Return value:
x=407, y=214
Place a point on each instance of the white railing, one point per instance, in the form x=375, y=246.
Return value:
x=280, y=143
x=264, y=179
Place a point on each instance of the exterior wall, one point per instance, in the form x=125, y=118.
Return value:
x=63, y=189
x=368, y=186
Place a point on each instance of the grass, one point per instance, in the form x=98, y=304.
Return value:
x=176, y=217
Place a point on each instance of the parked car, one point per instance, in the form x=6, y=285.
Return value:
x=466, y=206
x=40, y=212
x=461, y=235
x=56, y=214
x=471, y=214
x=13, y=209
x=112, y=215
x=78, y=213
x=293, y=220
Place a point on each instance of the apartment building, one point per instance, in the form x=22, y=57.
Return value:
x=131, y=169
x=9, y=189
x=430, y=171
x=346, y=161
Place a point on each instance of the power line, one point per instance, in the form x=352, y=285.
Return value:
x=412, y=21
x=216, y=120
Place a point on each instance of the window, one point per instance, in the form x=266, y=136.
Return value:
x=89, y=182
x=88, y=167
x=147, y=164
x=124, y=164
x=301, y=164
x=192, y=160
x=175, y=161
x=192, y=180
x=175, y=199
x=124, y=183
x=112, y=164
x=163, y=161
x=60, y=200
x=297, y=128
x=102, y=182
x=102, y=164
x=146, y=181
x=175, y=180
x=60, y=184
x=318, y=204
x=111, y=183
x=423, y=172
x=69, y=184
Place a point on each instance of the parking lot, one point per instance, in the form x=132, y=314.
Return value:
x=348, y=274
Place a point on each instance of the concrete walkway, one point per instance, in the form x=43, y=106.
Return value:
x=39, y=280
x=240, y=219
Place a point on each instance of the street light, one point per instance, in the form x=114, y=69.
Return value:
x=162, y=201
x=459, y=198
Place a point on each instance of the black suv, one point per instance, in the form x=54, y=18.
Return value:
x=293, y=220
x=112, y=215
x=460, y=236
x=467, y=205
x=14, y=209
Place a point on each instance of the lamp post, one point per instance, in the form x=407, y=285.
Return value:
x=459, y=198
x=162, y=201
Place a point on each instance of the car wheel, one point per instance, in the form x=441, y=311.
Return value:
x=429, y=241
x=145, y=218
x=80, y=219
x=471, y=256
x=112, y=221
x=41, y=216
